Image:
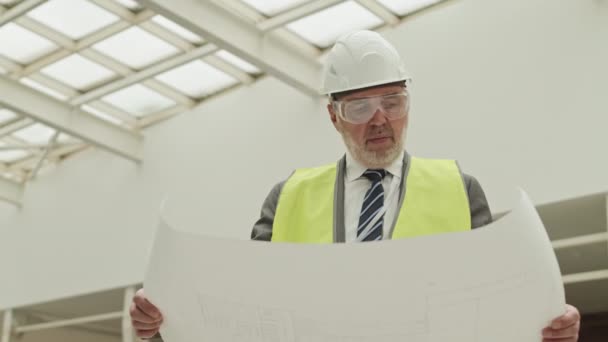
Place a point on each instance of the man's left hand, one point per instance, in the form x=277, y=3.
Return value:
x=564, y=328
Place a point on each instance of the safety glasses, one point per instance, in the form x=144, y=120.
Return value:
x=361, y=110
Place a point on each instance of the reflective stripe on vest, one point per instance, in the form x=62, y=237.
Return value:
x=435, y=202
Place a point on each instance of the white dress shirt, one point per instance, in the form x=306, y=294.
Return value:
x=355, y=187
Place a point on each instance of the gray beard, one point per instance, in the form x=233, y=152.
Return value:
x=373, y=159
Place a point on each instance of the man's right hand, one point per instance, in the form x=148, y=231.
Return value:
x=145, y=317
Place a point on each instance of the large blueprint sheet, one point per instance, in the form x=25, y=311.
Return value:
x=497, y=283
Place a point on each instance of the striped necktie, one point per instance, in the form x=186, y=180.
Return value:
x=372, y=204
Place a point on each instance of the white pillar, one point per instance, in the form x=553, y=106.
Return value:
x=127, y=329
x=7, y=326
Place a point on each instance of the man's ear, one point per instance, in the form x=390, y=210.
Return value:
x=332, y=113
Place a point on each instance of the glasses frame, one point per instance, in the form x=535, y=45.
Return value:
x=338, y=106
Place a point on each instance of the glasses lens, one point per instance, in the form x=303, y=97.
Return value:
x=362, y=110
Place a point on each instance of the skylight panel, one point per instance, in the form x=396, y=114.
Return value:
x=77, y=72
x=404, y=7
x=35, y=134
x=238, y=62
x=139, y=100
x=136, y=48
x=22, y=45
x=6, y=115
x=66, y=138
x=273, y=7
x=177, y=29
x=130, y=4
x=197, y=79
x=9, y=156
x=324, y=27
x=74, y=18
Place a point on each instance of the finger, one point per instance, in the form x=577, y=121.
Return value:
x=568, y=332
x=569, y=318
x=145, y=326
x=146, y=333
x=138, y=315
x=148, y=308
x=569, y=339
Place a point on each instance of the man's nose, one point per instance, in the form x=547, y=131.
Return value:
x=379, y=118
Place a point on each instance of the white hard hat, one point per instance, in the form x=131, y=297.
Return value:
x=359, y=60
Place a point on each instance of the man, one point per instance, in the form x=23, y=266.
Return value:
x=377, y=190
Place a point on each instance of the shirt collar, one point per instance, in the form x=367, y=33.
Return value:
x=354, y=169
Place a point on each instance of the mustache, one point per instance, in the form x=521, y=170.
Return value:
x=379, y=132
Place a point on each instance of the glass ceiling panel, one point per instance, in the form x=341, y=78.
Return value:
x=324, y=27
x=273, y=7
x=238, y=62
x=102, y=115
x=177, y=29
x=35, y=134
x=139, y=100
x=74, y=18
x=22, y=45
x=130, y=4
x=65, y=138
x=197, y=79
x=37, y=86
x=9, y=156
x=136, y=48
x=404, y=7
x=78, y=72
x=6, y=115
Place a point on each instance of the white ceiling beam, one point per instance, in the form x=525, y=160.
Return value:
x=72, y=121
x=68, y=92
x=27, y=147
x=166, y=35
x=128, y=120
x=124, y=71
x=45, y=31
x=253, y=17
x=144, y=74
x=19, y=10
x=69, y=46
x=116, y=8
x=69, y=322
x=11, y=192
x=585, y=277
x=228, y=31
x=9, y=65
x=155, y=118
x=55, y=154
x=40, y=63
x=379, y=10
x=44, y=155
x=299, y=12
x=52, y=84
x=580, y=241
x=14, y=126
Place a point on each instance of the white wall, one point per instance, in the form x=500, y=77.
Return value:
x=510, y=88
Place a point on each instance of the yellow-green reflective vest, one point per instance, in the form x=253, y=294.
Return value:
x=435, y=202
